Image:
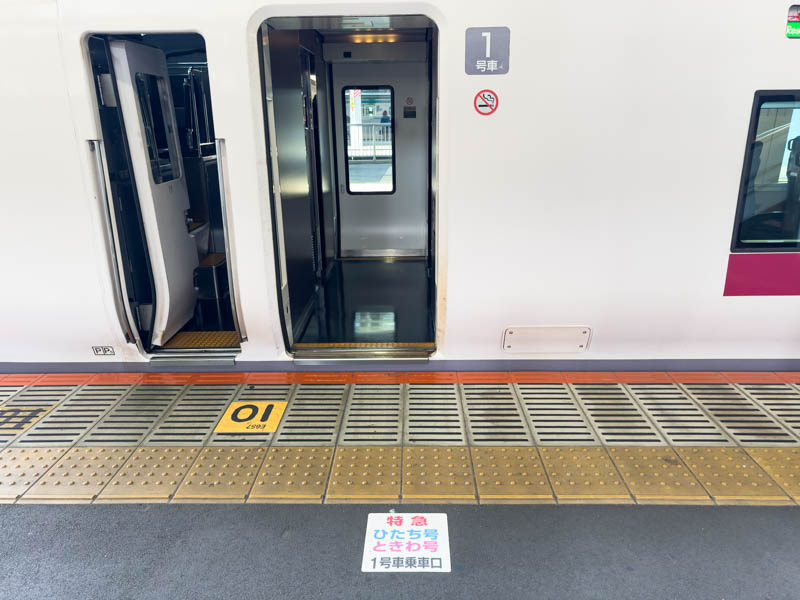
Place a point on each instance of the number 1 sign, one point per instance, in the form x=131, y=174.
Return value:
x=487, y=50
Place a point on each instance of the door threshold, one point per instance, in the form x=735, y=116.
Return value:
x=359, y=352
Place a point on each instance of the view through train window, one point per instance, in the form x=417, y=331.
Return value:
x=150, y=89
x=770, y=195
x=369, y=127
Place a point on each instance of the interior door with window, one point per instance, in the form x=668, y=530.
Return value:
x=149, y=113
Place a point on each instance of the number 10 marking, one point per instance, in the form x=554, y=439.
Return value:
x=488, y=36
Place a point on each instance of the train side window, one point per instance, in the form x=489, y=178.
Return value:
x=768, y=215
x=369, y=139
x=152, y=91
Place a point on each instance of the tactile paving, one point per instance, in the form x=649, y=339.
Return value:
x=584, y=475
x=221, y=475
x=79, y=476
x=150, y=475
x=494, y=416
x=365, y=474
x=293, y=474
x=441, y=474
x=782, y=464
x=510, y=476
x=657, y=476
x=20, y=468
x=554, y=416
x=732, y=477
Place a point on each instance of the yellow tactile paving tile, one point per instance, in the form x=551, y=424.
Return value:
x=221, y=474
x=441, y=474
x=366, y=474
x=78, y=477
x=732, y=477
x=20, y=468
x=782, y=464
x=584, y=475
x=293, y=475
x=152, y=474
x=510, y=475
x=656, y=475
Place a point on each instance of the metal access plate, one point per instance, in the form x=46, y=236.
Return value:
x=373, y=416
x=365, y=474
x=20, y=468
x=494, y=415
x=151, y=475
x=221, y=475
x=511, y=476
x=79, y=476
x=732, y=477
x=555, y=418
x=293, y=475
x=658, y=476
x=584, y=475
x=15, y=420
x=438, y=474
x=782, y=464
x=433, y=415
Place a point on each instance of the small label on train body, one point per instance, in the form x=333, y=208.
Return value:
x=251, y=417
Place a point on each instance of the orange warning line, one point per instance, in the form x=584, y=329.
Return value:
x=21, y=379
x=591, y=377
x=219, y=378
x=789, y=377
x=116, y=378
x=697, y=377
x=168, y=379
x=643, y=377
x=484, y=377
x=330, y=378
x=537, y=377
x=431, y=377
x=64, y=379
x=270, y=378
x=752, y=377
x=378, y=377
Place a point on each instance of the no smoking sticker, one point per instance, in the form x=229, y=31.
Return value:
x=486, y=102
x=251, y=417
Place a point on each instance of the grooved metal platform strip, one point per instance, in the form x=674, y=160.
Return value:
x=79, y=476
x=433, y=416
x=41, y=395
x=150, y=475
x=252, y=393
x=511, y=476
x=67, y=422
x=617, y=419
x=14, y=421
x=312, y=416
x=732, y=477
x=191, y=419
x=783, y=401
x=365, y=474
x=131, y=420
x=783, y=465
x=293, y=475
x=441, y=474
x=554, y=416
x=8, y=391
x=581, y=475
x=373, y=416
x=656, y=475
x=679, y=419
x=221, y=475
x=20, y=468
x=746, y=422
x=494, y=416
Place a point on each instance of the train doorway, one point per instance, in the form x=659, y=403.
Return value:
x=165, y=204
x=349, y=113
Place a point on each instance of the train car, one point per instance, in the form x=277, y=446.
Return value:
x=256, y=183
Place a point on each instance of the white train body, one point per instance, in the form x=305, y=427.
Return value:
x=600, y=195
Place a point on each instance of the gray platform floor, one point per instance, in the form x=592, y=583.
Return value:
x=288, y=552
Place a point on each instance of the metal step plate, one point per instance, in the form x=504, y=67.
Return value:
x=221, y=475
x=253, y=393
x=131, y=420
x=150, y=475
x=67, y=422
x=373, y=416
x=616, y=418
x=494, y=415
x=679, y=419
x=554, y=416
x=439, y=474
x=365, y=474
x=584, y=475
x=8, y=391
x=293, y=475
x=745, y=422
x=782, y=401
x=510, y=476
x=657, y=476
x=313, y=416
x=20, y=468
x=433, y=416
x=732, y=477
x=191, y=419
x=79, y=476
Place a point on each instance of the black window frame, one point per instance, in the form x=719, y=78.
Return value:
x=760, y=98
x=344, y=140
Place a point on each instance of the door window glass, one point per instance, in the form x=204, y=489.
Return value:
x=369, y=139
x=154, y=104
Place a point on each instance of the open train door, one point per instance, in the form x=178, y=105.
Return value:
x=149, y=113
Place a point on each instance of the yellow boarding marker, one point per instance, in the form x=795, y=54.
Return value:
x=251, y=417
